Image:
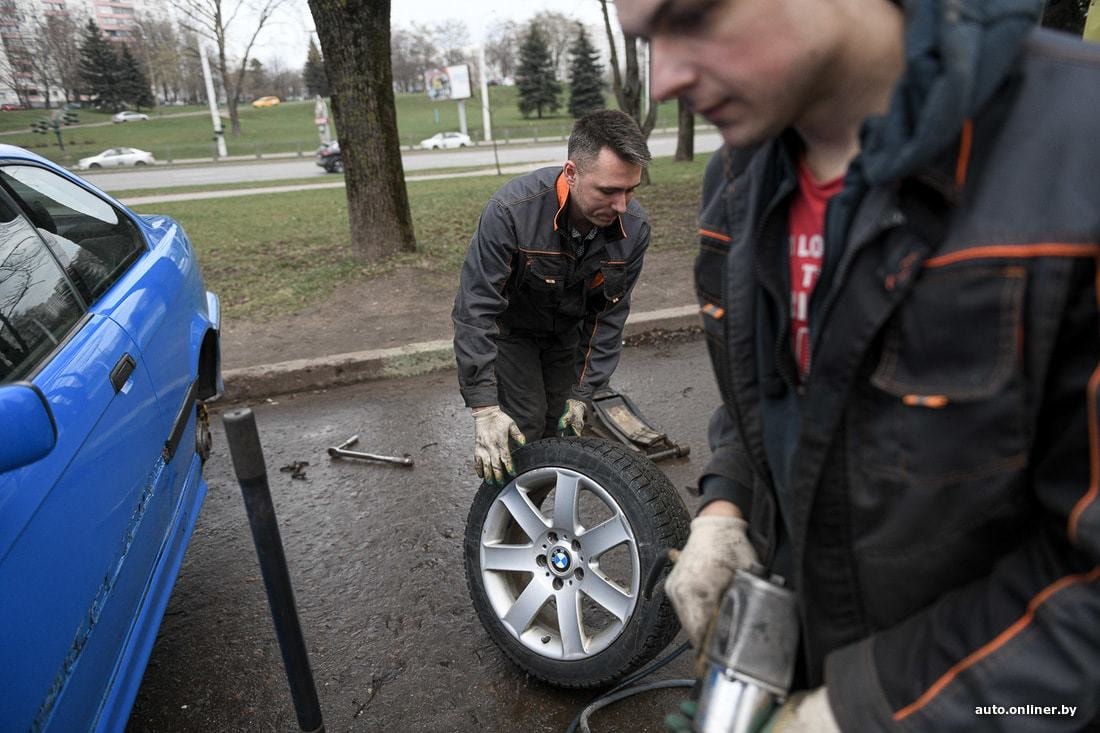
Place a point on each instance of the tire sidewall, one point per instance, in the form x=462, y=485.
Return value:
x=650, y=619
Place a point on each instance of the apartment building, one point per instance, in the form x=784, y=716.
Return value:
x=19, y=19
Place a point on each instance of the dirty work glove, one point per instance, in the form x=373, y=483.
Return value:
x=716, y=548
x=492, y=456
x=572, y=418
x=804, y=712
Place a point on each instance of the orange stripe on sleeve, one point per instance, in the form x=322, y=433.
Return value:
x=714, y=235
x=1013, y=251
x=999, y=641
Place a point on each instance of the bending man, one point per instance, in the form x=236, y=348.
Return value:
x=545, y=290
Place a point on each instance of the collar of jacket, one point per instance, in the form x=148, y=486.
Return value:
x=957, y=54
x=612, y=231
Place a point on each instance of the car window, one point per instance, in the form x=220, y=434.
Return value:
x=94, y=241
x=38, y=305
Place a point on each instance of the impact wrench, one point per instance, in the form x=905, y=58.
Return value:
x=341, y=451
x=749, y=654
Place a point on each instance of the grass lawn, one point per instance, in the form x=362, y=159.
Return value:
x=269, y=255
x=175, y=133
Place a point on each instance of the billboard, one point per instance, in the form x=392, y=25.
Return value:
x=449, y=82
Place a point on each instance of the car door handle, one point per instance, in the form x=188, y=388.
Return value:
x=122, y=371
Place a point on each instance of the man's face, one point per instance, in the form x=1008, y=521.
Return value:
x=750, y=67
x=601, y=189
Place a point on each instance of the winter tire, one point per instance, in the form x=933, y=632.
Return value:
x=556, y=560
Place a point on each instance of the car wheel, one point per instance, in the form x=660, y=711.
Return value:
x=462, y=145
x=338, y=165
x=139, y=163
x=95, y=165
x=555, y=560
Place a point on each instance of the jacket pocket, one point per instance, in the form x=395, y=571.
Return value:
x=611, y=280
x=940, y=427
x=956, y=338
x=544, y=278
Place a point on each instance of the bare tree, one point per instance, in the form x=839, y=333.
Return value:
x=560, y=31
x=355, y=41
x=16, y=71
x=627, y=83
x=412, y=52
x=164, y=53
x=451, y=38
x=57, y=43
x=502, y=48
x=211, y=20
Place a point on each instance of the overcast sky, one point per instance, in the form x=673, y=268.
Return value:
x=287, y=37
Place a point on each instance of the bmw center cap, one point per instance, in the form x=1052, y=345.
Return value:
x=560, y=560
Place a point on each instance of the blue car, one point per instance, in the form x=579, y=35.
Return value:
x=109, y=349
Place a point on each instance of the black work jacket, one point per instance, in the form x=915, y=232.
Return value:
x=931, y=487
x=521, y=277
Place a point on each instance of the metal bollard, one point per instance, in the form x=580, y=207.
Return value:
x=248, y=464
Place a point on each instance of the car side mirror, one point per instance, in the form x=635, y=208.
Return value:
x=27, y=428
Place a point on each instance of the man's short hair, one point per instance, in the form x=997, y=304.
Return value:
x=608, y=128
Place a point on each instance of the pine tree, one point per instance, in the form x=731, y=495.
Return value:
x=99, y=69
x=538, y=88
x=134, y=85
x=314, y=72
x=585, y=77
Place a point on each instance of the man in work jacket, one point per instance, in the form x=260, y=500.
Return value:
x=545, y=290
x=899, y=279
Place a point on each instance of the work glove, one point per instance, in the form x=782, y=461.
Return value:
x=807, y=711
x=572, y=418
x=716, y=548
x=492, y=455
x=803, y=712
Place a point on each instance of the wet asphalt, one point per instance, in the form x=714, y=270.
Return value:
x=375, y=557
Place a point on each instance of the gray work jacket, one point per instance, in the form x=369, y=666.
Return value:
x=521, y=277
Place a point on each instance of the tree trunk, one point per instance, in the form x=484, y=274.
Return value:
x=355, y=43
x=685, y=132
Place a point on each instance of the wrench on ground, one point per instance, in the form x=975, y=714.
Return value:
x=341, y=451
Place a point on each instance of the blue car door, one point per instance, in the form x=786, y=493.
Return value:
x=72, y=523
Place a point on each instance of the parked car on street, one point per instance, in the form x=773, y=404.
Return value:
x=128, y=116
x=265, y=102
x=117, y=158
x=9, y=107
x=109, y=349
x=328, y=157
x=445, y=140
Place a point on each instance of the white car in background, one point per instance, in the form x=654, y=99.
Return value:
x=117, y=158
x=128, y=116
x=445, y=140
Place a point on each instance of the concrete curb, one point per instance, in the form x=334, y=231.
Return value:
x=302, y=375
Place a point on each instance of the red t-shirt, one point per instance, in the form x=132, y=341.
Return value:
x=807, y=241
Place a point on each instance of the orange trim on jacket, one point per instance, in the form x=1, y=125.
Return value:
x=1012, y=251
x=714, y=235
x=1001, y=639
x=561, y=188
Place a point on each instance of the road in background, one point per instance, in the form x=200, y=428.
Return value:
x=286, y=168
x=375, y=556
